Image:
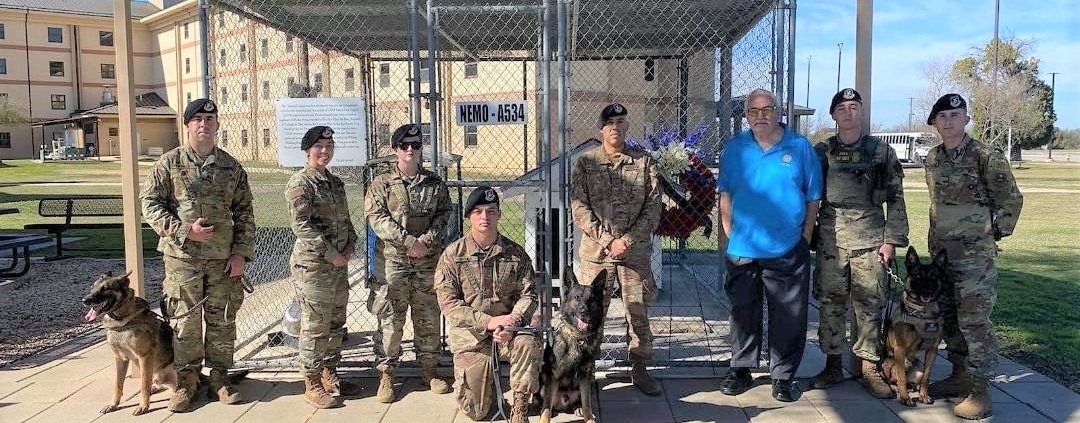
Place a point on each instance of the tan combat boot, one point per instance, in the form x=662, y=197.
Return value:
x=519, y=410
x=874, y=380
x=641, y=378
x=958, y=383
x=431, y=378
x=315, y=394
x=832, y=374
x=385, y=394
x=977, y=403
x=335, y=385
x=186, y=386
x=221, y=388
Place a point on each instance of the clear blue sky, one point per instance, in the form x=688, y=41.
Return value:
x=910, y=33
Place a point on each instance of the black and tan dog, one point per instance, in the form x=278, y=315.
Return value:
x=916, y=328
x=567, y=372
x=135, y=334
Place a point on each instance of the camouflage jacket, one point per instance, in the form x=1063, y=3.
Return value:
x=859, y=179
x=473, y=286
x=320, y=216
x=402, y=213
x=974, y=199
x=615, y=197
x=182, y=187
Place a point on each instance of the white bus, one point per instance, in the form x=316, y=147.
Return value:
x=910, y=147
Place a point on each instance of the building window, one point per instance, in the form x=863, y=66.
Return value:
x=243, y=138
x=470, y=70
x=243, y=53
x=264, y=47
x=59, y=101
x=318, y=82
x=222, y=58
x=224, y=138
x=221, y=19
x=266, y=90
x=224, y=95
x=2, y=36
x=384, y=132
x=425, y=130
x=187, y=65
x=105, y=38
x=470, y=136
x=187, y=98
x=108, y=71
x=5, y=140
x=289, y=82
x=350, y=80
x=56, y=68
x=243, y=92
x=266, y=137
x=384, y=74
x=423, y=70
x=56, y=35
x=3, y=66
x=114, y=132
x=288, y=43
x=187, y=32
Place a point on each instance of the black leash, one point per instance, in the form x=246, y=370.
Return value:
x=495, y=365
x=891, y=269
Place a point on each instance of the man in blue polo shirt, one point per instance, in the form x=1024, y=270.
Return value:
x=770, y=185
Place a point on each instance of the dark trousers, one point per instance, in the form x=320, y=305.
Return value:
x=785, y=282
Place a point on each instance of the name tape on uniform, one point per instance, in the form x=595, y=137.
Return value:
x=474, y=113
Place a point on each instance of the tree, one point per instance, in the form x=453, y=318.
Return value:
x=11, y=114
x=1006, y=94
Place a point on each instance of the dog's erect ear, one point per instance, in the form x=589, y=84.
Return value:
x=600, y=282
x=912, y=259
x=941, y=260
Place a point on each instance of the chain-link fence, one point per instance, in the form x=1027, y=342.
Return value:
x=485, y=81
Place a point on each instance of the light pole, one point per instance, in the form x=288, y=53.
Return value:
x=808, y=80
x=910, y=112
x=839, y=55
x=1053, y=99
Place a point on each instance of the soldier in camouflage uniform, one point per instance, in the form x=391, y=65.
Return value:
x=485, y=282
x=197, y=199
x=855, y=237
x=408, y=208
x=325, y=240
x=974, y=202
x=615, y=201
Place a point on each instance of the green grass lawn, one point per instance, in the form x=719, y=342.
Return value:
x=1036, y=315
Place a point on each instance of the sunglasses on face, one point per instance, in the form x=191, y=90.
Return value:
x=416, y=146
x=760, y=112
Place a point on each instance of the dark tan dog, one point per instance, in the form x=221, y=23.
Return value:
x=135, y=334
x=567, y=372
x=917, y=328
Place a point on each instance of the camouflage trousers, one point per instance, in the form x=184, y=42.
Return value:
x=399, y=286
x=474, y=379
x=968, y=297
x=188, y=281
x=638, y=289
x=841, y=275
x=323, y=293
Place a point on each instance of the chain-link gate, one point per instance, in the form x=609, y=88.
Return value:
x=682, y=68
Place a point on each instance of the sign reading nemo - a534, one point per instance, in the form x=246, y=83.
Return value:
x=475, y=113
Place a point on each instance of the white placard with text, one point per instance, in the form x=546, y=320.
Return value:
x=347, y=116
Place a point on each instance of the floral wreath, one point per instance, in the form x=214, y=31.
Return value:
x=685, y=180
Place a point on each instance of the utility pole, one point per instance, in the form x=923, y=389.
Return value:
x=910, y=112
x=808, y=80
x=1053, y=131
x=839, y=55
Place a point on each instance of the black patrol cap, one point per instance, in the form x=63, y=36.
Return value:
x=946, y=102
x=407, y=130
x=846, y=94
x=202, y=105
x=480, y=196
x=612, y=110
x=315, y=134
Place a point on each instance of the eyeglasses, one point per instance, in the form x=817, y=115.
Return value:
x=416, y=146
x=760, y=112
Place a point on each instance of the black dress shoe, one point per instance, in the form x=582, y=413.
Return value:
x=736, y=382
x=786, y=390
